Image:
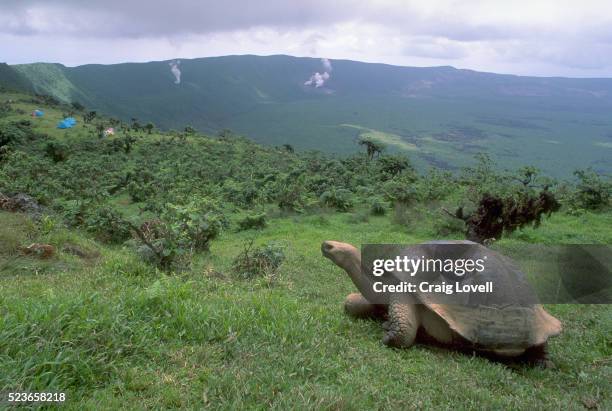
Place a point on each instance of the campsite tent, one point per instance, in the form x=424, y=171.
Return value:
x=68, y=122
x=38, y=113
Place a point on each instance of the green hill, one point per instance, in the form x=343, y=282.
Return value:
x=11, y=79
x=250, y=315
x=444, y=115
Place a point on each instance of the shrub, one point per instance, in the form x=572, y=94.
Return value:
x=592, y=191
x=291, y=198
x=108, y=224
x=401, y=190
x=377, y=207
x=241, y=194
x=196, y=223
x=497, y=215
x=13, y=133
x=56, y=151
x=339, y=199
x=140, y=191
x=74, y=212
x=179, y=232
x=158, y=243
x=261, y=261
x=393, y=165
x=436, y=185
x=253, y=221
x=445, y=225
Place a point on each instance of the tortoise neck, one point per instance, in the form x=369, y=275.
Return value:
x=352, y=266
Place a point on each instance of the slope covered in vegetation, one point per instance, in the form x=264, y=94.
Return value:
x=443, y=116
x=186, y=271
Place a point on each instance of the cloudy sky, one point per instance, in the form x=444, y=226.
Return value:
x=531, y=37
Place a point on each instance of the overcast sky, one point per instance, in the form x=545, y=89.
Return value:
x=537, y=37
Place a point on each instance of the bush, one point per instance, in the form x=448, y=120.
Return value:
x=261, y=261
x=142, y=185
x=240, y=194
x=158, y=244
x=290, y=197
x=195, y=224
x=339, y=199
x=393, y=165
x=377, y=207
x=436, y=185
x=56, y=151
x=401, y=190
x=108, y=225
x=179, y=232
x=254, y=221
x=13, y=133
x=495, y=215
x=592, y=191
x=445, y=225
x=74, y=212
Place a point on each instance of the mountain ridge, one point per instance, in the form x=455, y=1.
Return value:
x=557, y=123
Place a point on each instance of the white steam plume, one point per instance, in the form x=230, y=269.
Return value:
x=318, y=79
x=176, y=71
x=326, y=65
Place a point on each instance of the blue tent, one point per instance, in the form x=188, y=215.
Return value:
x=38, y=113
x=68, y=122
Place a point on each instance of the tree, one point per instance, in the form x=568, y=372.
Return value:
x=225, y=133
x=189, y=130
x=393, y=165
x=496, y=215
x=88, y=117
x=592, y=190
x=526, y=175
x=77, y=106
x=136, y=125
x=126, y=143
x=149, y=127
x=372, y=147
x=288, y=148
x=100, y=129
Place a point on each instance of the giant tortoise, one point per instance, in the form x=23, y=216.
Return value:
x=497, y=330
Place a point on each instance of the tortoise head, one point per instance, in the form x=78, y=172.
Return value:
x=348, y=258
x=342, y=254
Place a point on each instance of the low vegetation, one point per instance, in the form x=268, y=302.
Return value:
x=186, y=270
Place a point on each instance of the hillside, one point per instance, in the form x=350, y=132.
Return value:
x=441, y=115
x=239, y=309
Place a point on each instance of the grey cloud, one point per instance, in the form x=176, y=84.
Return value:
x=466, y=33
x=434, y=48
x=114, y=18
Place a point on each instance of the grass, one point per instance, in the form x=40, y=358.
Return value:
x=116, y=333
x=383, y=138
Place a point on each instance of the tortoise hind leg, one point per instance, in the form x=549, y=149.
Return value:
x=357, y=306
x=403, y=322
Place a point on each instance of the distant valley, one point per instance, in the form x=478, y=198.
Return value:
x=437, y=115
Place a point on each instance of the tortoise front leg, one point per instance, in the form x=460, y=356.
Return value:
x=403, y=322
x=356, y=305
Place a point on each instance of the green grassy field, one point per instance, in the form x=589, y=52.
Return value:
x=115, y=332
